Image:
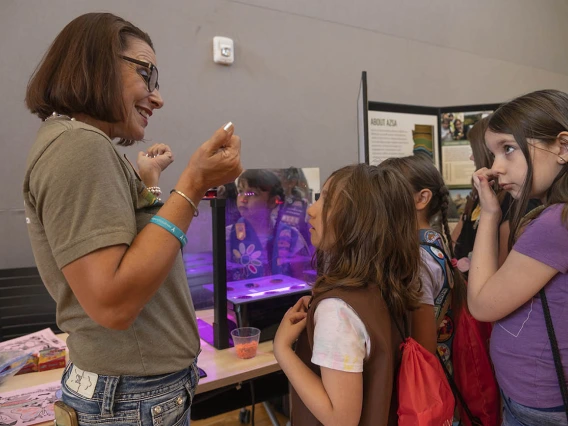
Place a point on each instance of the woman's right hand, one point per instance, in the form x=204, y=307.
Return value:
x=216, y=162
x=482, y=180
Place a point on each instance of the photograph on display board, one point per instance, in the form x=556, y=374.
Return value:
x=458, y=198
x=396, y=134
x=457, y=164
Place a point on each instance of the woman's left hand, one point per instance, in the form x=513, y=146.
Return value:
x=292, y=324
x=153, y=162
x=158, y=157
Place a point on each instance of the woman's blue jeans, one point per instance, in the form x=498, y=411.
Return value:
x=163, y=400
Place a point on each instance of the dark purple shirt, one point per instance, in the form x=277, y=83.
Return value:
x=520, y=348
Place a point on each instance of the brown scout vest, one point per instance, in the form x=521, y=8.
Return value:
x=379, y=398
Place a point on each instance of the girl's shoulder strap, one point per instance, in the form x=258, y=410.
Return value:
x=433, y=244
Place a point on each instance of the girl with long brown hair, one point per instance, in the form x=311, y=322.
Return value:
x=527, y=296
x=464, y=233
x=368, y=258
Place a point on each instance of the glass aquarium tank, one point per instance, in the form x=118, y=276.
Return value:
x=249, y=256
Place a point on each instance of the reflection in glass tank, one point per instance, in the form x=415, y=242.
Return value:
x=267, y=243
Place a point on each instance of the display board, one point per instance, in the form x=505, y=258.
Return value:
x=388, y=130
x=402, y=130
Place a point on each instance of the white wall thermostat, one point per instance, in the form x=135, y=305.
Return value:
x=223, y=50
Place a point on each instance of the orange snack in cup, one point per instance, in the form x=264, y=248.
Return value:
x=246, y=350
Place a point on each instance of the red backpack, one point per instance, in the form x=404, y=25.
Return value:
x=476, y=388
x=463, y=349
x=424, y=395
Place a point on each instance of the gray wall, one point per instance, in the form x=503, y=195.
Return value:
x=293, y=88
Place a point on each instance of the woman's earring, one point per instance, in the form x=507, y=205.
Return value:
x=563, y=147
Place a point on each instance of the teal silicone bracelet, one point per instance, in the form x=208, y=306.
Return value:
x=171, y=228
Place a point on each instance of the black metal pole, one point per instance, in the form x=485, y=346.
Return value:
x=220, y=327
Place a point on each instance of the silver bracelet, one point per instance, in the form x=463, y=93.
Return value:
x=196, y=212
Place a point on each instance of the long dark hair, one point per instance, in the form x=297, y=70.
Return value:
x=370, y=212
x=482, y=157
x=421, y=174
x=540, y=115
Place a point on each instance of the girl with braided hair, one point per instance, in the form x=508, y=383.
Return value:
x=442, y=323
x=433, y=322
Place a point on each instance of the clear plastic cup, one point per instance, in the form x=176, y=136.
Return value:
x=246, y=341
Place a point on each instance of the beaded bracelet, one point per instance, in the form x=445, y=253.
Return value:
x=196, y=212
x=155, y=190
x=171, y=228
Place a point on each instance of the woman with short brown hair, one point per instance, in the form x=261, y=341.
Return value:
x=107, y=248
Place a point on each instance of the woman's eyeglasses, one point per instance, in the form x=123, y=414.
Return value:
x=150, y=78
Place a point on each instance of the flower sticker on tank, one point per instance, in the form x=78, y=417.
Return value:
x=248, y=257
